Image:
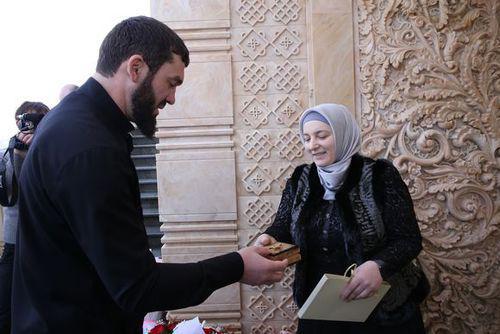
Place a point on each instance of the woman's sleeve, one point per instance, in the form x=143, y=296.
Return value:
x=403, y=239
x=280, y=229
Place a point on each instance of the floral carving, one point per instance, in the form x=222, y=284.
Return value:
x=430, y=100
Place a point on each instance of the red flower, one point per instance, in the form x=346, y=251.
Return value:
x=158, y=329
x=171, y=325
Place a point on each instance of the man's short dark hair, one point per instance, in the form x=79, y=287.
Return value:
x=34, y=107
x=144, y=36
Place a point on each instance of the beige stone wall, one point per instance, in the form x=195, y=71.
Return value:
x=423, y=81
x=196, y=161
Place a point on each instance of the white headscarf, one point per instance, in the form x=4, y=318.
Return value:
x=347, y=141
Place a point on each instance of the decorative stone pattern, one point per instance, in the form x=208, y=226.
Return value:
x=258, y=146
x=281, y=11
x=254, y=78
x=270, y=75
x=285, y=43
x=430, y=84
x=286, y=77
x=256, y=112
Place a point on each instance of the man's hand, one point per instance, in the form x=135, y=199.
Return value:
x=257, y=269
x=364, y=283
x=264, y=240
x=26, y=138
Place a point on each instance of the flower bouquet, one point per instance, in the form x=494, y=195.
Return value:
x=192, y=326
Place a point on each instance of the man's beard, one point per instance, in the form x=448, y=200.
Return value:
x=143, y=107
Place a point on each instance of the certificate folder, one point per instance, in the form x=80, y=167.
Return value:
x=324, y=302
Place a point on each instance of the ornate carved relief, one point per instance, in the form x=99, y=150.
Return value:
x=285, y=10
x=255, y=11
x=286, y=43
x=254, y=77
x=288, y=307
x=286, y=77
x=256, y=112
x=260, y=213
x=289, y=145
x=288, y=111
x=261, y=307
x=257, y=146
x=430, y=87
x=258, y=179
x=254, y=43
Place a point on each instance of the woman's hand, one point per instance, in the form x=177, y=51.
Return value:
x=264, y=240
x=364, y=283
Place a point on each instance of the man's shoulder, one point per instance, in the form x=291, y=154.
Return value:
x=73, y=123
x=71, y=129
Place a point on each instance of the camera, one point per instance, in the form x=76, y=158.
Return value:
x=29, y=121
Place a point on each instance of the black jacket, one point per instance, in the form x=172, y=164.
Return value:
x=378, y=221
x=83, y=264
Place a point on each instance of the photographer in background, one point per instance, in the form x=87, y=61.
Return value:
x=27, y=117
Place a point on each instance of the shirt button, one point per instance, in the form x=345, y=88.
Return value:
x=325, y=249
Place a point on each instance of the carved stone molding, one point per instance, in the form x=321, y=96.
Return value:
x=430, y=84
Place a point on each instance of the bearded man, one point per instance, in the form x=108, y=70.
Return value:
x=83, y=264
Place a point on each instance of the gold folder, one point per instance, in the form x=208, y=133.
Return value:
x=324, y=302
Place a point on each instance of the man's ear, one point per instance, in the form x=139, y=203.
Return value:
x=136, y=68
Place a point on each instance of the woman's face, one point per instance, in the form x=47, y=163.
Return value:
x=318, y=141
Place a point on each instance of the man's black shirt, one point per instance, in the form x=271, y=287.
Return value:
x=82, y=261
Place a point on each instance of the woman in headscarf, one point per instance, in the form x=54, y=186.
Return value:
x=345, y=208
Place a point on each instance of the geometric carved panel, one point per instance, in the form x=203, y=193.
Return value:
x=287, y=77
x=259, y=179
x=429, y=82
x=260, y=213
x=255, y=77
x=255, y=113
x=286, y=43
x=255, y=11
x=286, y=110
x=257, y=146
x=289, y=145
x=254, y=43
